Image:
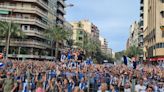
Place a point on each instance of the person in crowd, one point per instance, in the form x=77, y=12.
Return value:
x=140, y=87
x=83, y=84
x=40, y=87
x=75, y=74
x=103, y=88
x=10, y=83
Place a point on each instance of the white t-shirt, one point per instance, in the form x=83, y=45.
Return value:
x=127, y=90
x=139, y=88
x=101, y=91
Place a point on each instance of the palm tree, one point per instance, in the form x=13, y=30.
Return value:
x=57, y=34
x=134, y=51
x=8, y=30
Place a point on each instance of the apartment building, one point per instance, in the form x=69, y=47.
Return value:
x=34, y=16
x=104, y=45
x=89, y=28
x=60, y=4
x=79, y=34
x=153, y=30
x=92, y=30
x=133, y=38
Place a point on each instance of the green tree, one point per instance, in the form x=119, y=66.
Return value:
x=134, y=51
x=9, y=30
x=91, y=47
x=119, y=55
x=70, y=42
x=58, y=34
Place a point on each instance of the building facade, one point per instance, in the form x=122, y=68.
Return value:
x=34, y=17
x=109, y=52
x=79, y=35
x=92, y=30
x=133, y=38
x=85, y=28
x=153, y=32
x=104, y=45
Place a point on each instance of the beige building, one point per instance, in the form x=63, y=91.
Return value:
x=104, y=45
x=133, y=38
x=153, y=33
x=79, y=34
x=89, y=28
x=34, y=16
x=109, y=52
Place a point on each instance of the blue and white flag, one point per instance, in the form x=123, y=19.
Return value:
x=1, y=65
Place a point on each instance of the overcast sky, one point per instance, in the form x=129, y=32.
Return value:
x=113, y=18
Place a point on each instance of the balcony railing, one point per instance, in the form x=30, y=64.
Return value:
x=40, y=2
x=62, y=10
x=25, y=21
x=32, y=56
x=35, y=33
x=25, y=10
x=61, y=17
x=27, y=43
x=62, y=2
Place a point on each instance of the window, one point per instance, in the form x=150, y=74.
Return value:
x=12, y=4
x=157, y=45
x=26, y=27
x=160, y=45
x=32, y=6
x=81, y=32
x=162, y=14
x=162, y=33
x=80, y=38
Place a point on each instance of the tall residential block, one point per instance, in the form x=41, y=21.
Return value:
x=89, y=28
x=104, y=45
x=34, y=17
x=133, y=38
x=79, y=35
x=153, y=30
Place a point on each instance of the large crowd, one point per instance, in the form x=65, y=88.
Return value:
x=72, y=73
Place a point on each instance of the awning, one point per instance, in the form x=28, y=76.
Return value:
x=4, y=12
x=156, y=59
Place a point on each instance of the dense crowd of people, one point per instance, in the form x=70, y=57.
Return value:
x=74, y=74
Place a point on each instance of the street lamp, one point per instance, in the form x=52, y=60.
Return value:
x=70, y=5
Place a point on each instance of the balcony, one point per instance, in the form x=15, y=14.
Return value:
x=27, y=43
x=35, y=33
x=61, y=17
x=62, y=2
x=39, y=2
x=32, y=57
x=142, y=11
x=61, y=10
x=32, y=21
x=26, y=10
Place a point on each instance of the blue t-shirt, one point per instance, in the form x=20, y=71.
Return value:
x=69, y=56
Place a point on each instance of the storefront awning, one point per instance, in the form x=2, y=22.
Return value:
x=156, y=59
